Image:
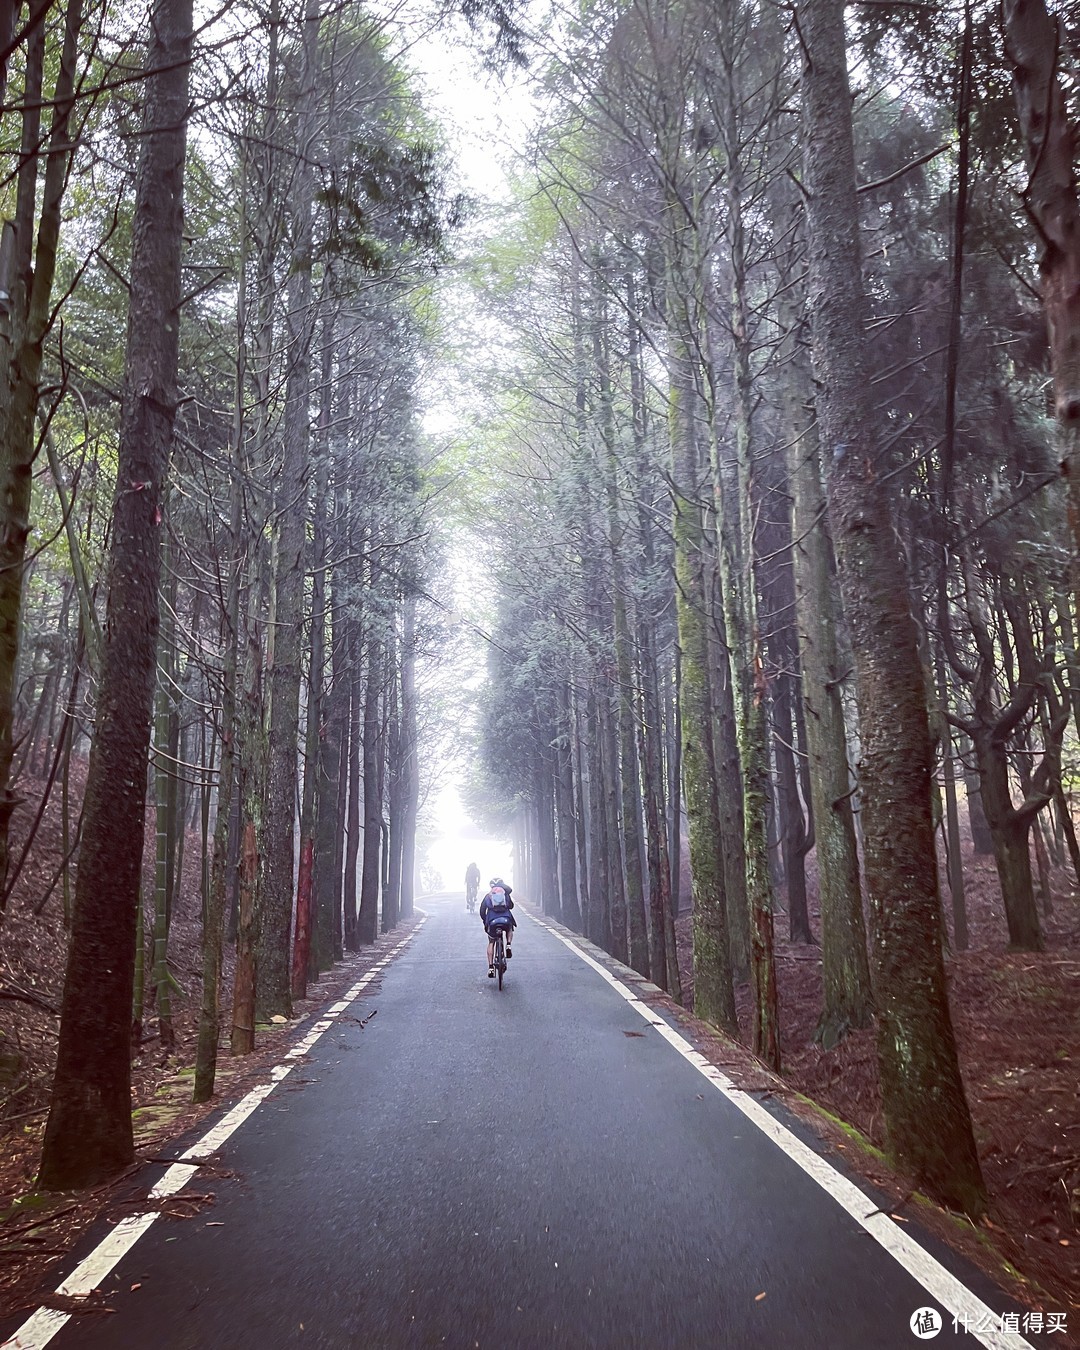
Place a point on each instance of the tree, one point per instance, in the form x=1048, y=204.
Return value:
x=88, y=1136
x=28, y=260
x=926, y=1112
x=274, y=974
x=1033, y=43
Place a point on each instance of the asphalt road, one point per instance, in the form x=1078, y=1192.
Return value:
x=532, y=1168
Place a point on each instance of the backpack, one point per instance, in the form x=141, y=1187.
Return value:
x=498, y=898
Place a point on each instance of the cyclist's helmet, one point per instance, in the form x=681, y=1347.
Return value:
x=494, y=882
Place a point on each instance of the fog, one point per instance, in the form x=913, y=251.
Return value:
x=453, y=842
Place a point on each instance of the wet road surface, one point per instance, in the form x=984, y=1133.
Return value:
x=532, y=1168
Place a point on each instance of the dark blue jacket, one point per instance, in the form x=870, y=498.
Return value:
x=486, y=909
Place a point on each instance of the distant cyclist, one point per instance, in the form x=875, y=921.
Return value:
x=472, y=885
x=495, y=915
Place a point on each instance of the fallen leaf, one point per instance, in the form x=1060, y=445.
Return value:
x=135, y=1286
x=759, y=1297
x=1063, y=1242
x=215, y=1224
x=277, y=1018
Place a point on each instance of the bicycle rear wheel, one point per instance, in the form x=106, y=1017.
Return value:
x=500, y=958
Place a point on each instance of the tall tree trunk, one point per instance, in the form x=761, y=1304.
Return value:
x=673, y=739
x=727, y=767
x=661, y=925
x=663, y=967
x=991, y=729
x=352, y=838
x=303, y=963
x=714, y=994
x=581, y=811
x=546, y=839
x=615, y=931
x=262, y=144
x=926, y=1112
x=410, y=755
x=162, y=775
x=847, y=1001
x=794, y=836
x=138, y=992
x=368, y=921
x=565, y=825
x=395, y=780
x=329, y=815
x=737, y=551
x=31, y=266
x=305, y=876
x=274, y=982
x=214, y=910
x=633, y=947
x=600, y=862
x=89, y=1136
x=952, y=818
x=726, y=758
x=1009, y=830
x=251, y=763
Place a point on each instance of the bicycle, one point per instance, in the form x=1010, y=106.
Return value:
x=498, y=959
x=470, y=899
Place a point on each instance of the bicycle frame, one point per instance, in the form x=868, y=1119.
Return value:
x=499, y=955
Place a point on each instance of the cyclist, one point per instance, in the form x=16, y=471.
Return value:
x=495, y=914
x=472, y=885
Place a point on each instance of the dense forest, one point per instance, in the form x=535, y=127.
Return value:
x=788, y=461
x=770, y=462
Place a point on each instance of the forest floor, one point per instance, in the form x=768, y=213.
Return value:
x=1017, y=1020
x=1016, y=1017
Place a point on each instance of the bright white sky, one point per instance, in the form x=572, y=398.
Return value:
x=485, y=119
x=460, y=843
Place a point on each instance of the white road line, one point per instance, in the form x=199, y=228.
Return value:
x=944, y=1287
x=39, y=1329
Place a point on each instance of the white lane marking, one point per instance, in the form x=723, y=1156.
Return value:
x=953, y=1295
x=39, y=1329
